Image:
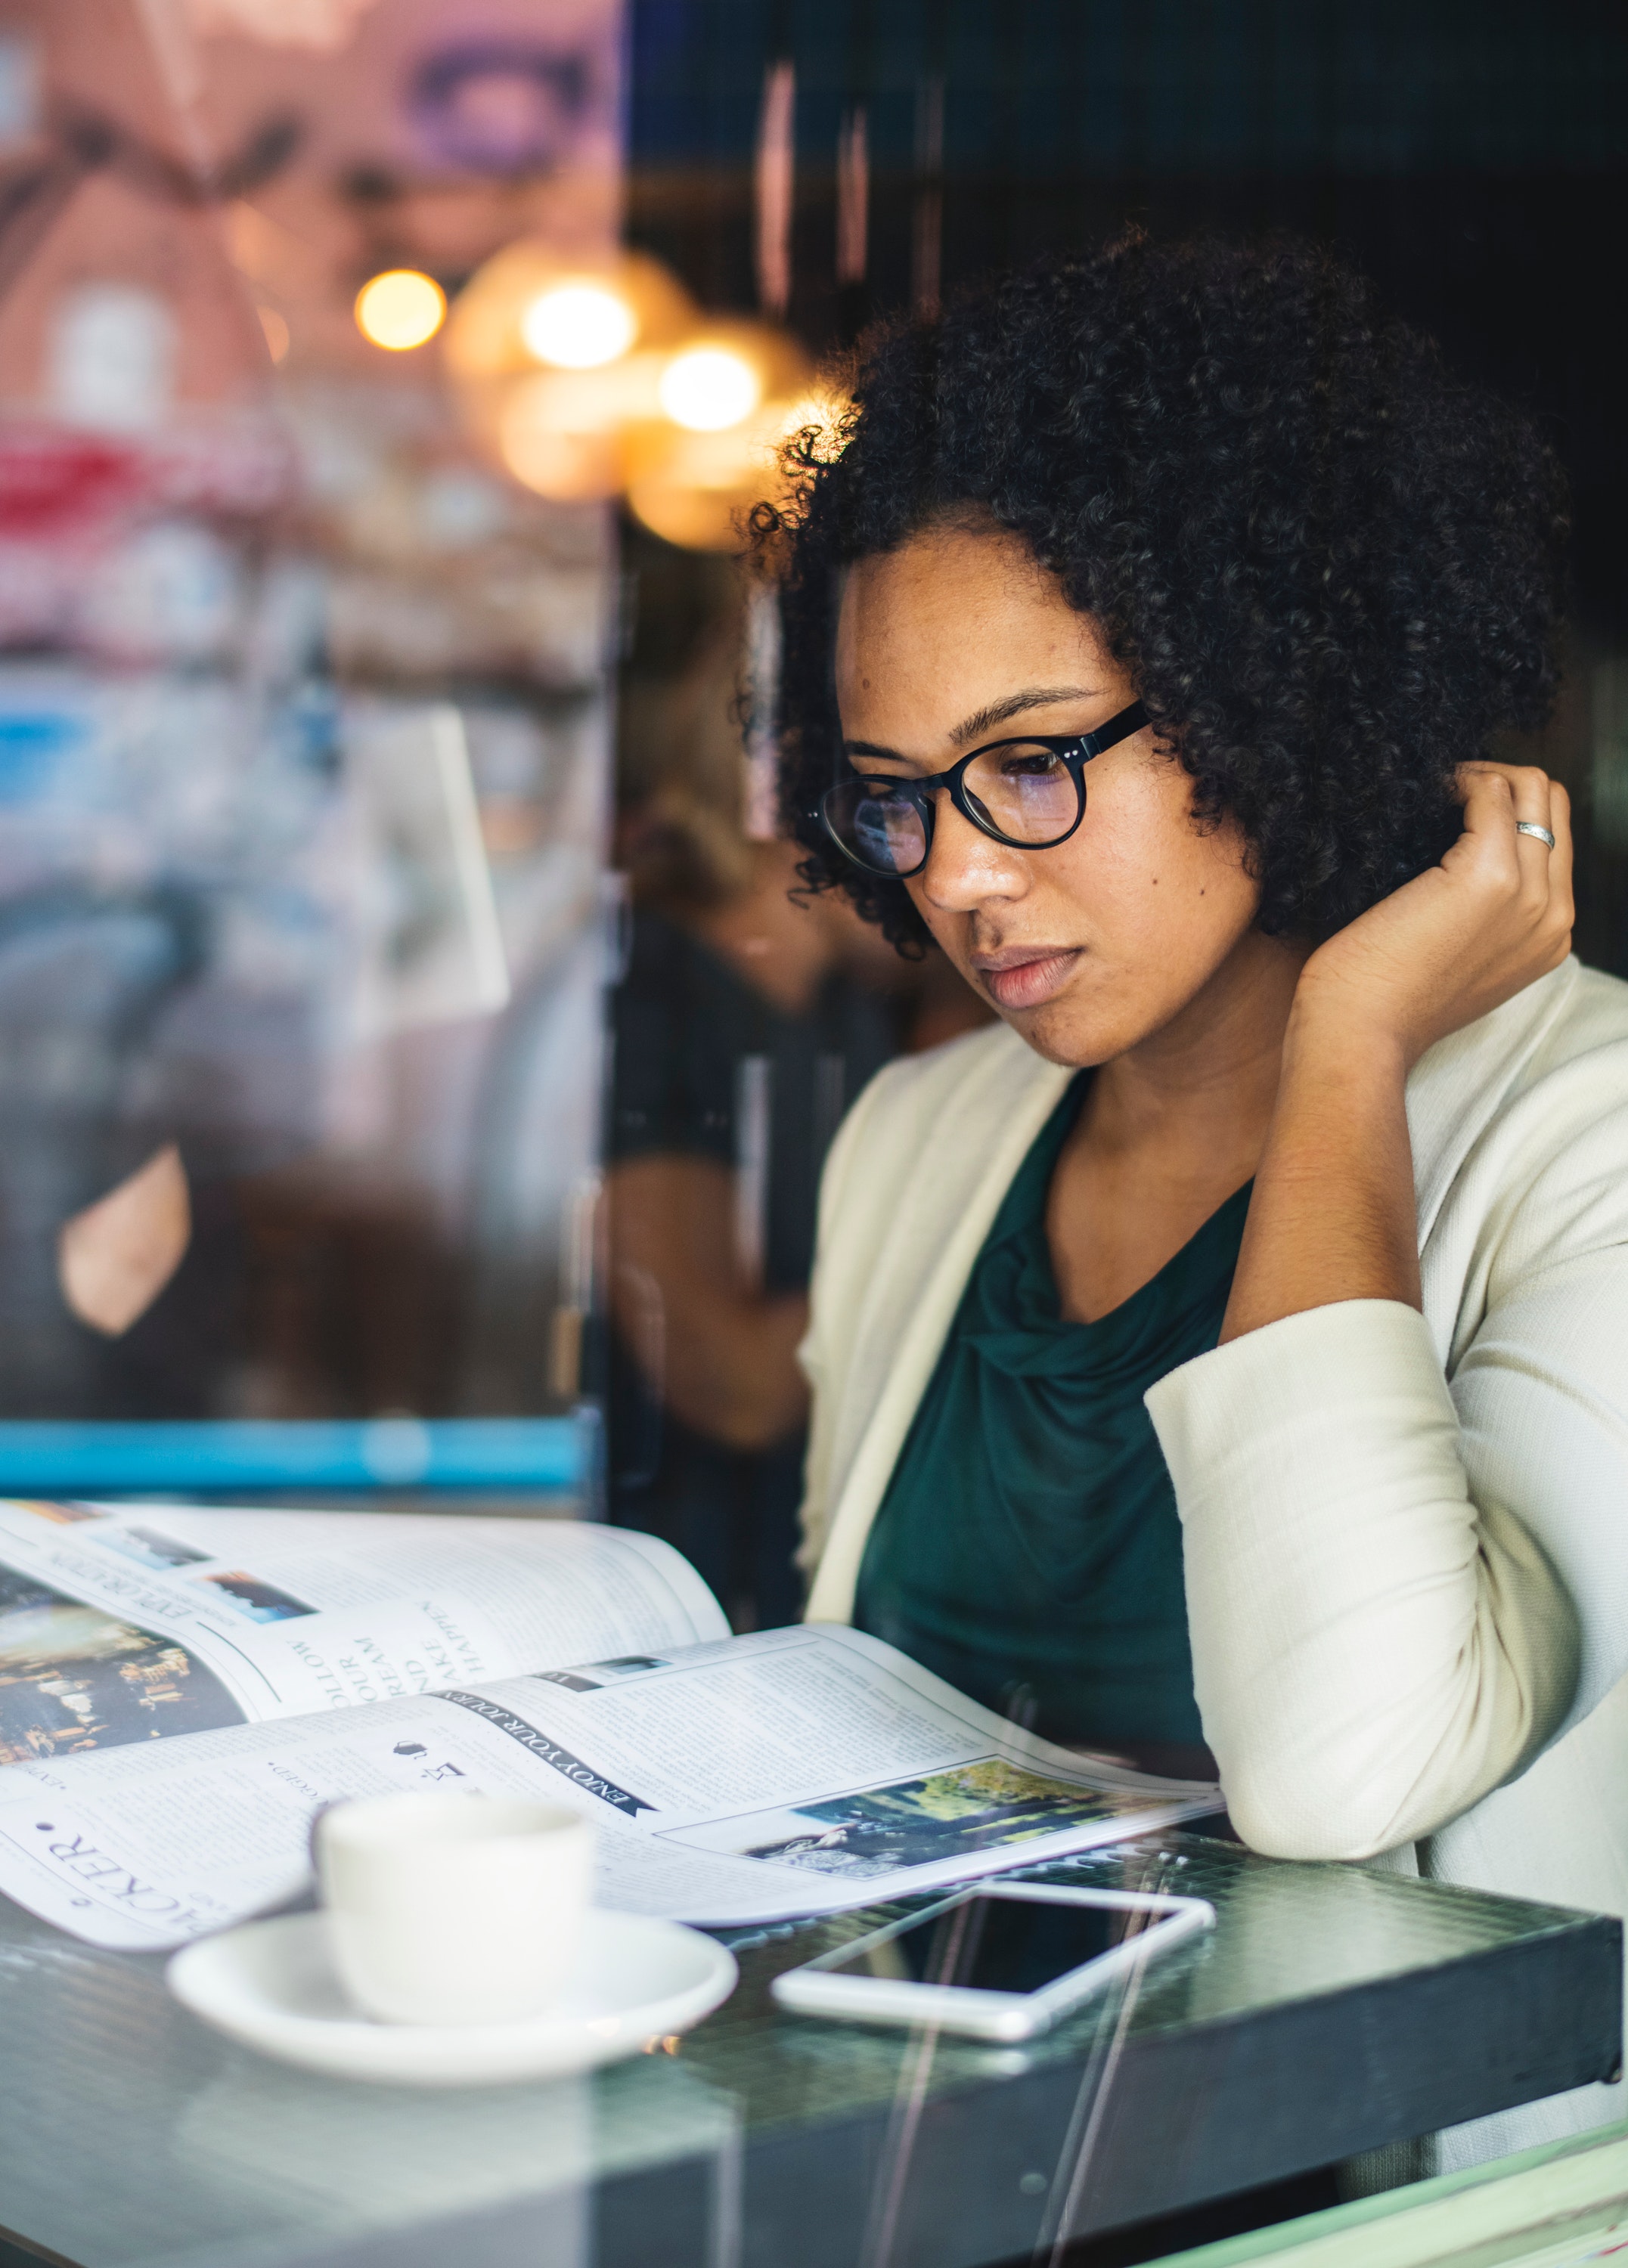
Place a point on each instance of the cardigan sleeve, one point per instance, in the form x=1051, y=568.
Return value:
x=1378, y=1639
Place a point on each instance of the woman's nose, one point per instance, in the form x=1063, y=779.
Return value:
x=966, y=868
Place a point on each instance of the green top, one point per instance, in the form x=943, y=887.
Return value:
x=1028, y=1547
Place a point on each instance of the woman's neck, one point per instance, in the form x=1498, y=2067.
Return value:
x=1169, y=1131
x=1207, y=1083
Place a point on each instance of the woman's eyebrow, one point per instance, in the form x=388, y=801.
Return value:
x=983, y=720
x=1033, y=696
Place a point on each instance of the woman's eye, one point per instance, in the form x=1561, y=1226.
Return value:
x=1030, y=764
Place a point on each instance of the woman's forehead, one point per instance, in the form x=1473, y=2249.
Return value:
x=945, y=557
x=950, y=627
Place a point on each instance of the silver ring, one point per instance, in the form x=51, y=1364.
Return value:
x=1530, y=826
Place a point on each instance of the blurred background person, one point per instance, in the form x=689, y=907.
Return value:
x=747, y=1017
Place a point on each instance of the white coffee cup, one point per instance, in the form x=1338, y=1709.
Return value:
x=448, y=1909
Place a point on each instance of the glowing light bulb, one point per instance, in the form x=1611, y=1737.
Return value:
x=578, y=326
x=399, y=309
x=706, y=389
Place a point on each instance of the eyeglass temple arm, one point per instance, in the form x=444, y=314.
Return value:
x=1117, y=729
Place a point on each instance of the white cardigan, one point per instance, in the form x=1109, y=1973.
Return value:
x=1405, y=1536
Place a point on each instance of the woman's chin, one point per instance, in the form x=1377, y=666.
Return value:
x=1068, y=1034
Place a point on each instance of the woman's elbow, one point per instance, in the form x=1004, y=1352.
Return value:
x=1391, y=1770
x=1307, y=1814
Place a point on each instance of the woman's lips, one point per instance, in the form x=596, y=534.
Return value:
x=1023, y=981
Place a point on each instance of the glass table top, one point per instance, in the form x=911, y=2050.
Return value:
x=132, y=2135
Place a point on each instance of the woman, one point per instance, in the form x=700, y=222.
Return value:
x=1231, y=1345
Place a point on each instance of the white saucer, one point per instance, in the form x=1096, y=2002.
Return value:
x=272, y=1985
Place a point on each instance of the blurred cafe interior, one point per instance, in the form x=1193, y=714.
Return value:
x=418, y=1054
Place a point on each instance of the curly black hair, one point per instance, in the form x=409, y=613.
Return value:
x=1332, y=570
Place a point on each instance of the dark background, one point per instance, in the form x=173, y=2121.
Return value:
x=1471, y=155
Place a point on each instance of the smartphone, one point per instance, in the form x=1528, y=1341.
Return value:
x=1001, y=1964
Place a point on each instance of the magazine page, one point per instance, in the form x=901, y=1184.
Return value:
x=791, y=1773
x=130, y=1623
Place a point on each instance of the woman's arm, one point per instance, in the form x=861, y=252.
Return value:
x=1378, y=1640
x=720, y=1356
x=1332, y=1215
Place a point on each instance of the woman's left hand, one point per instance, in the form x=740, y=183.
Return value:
x=1333, y=1214
x=1459, y=940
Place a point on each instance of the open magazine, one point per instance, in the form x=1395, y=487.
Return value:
x=181, y=1690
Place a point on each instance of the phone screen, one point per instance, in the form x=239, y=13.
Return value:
x=999, y=1945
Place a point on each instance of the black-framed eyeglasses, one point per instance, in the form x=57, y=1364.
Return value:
x=1028, y=793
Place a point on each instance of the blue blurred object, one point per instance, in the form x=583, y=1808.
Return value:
x=31, y=743
x=438, y=1453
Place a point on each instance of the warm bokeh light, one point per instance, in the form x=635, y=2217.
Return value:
x=564, y=432
x=399, y=309
x=821, y=417
x=589, y=378
x=694, y=489
x=527, y=302
x=706, y=389
x=579, y=326
x=561, y=433
x=566, y=467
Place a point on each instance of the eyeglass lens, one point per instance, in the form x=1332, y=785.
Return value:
x=1021, y=790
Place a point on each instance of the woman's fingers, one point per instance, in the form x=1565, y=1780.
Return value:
x=1509, y=791
x=1464, y=937
x=1499, y=799
x=1531, y=806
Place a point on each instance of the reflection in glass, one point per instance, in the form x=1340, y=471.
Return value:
x=302, y=718
x=747, y=1021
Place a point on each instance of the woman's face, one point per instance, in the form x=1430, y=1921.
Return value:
x=959, y=638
